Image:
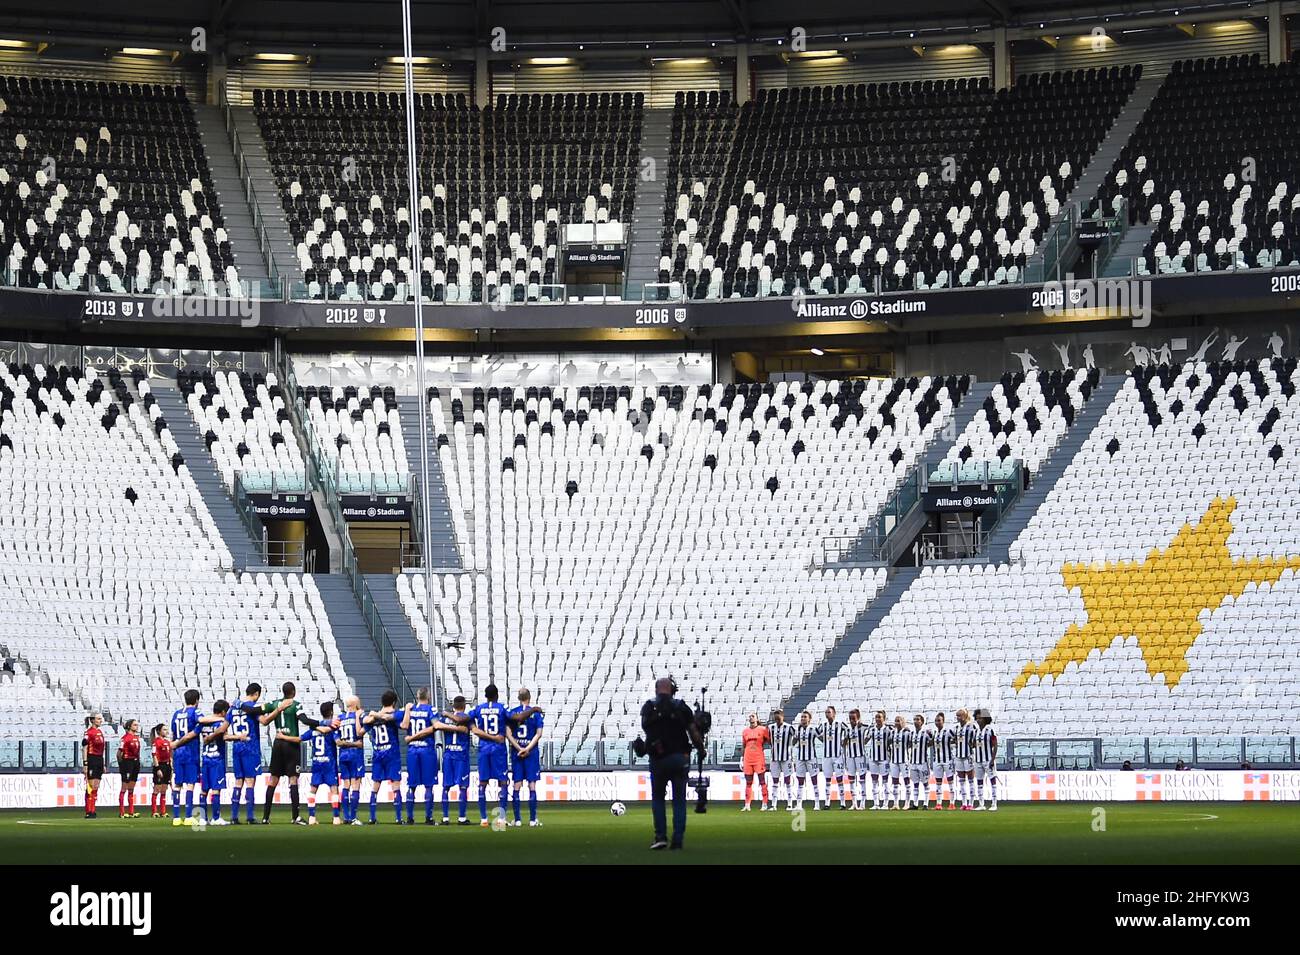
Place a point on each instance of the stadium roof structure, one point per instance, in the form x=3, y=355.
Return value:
x=609, y=26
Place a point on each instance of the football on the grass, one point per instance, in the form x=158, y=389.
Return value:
x=618, y=809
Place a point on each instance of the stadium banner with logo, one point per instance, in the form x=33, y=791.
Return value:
x=1087, y=298
x=283, y=507
x=959, y=500
x=67, y=790
x=363, y=507
x=585, y=255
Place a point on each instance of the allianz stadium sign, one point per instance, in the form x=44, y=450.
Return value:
x=1188, y=294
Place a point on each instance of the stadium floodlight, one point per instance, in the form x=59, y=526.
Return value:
x=416, y=282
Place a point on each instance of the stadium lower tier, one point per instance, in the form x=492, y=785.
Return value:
x=613, y=535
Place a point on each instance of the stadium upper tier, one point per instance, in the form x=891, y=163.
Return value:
x=1210, y=171
x=106, y=186
x=818, y=190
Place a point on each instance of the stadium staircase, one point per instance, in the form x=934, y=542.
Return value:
x=234, y=534
x=645, y=234
x=443, y=551
x=864, y=549
x=1017, y=518
x=406, y=645
x=235, y=212
x=253, y=148
x=1103, y=160
x=1120, y=263
x=356, y=647
x=900, y=578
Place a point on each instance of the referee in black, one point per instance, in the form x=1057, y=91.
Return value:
x=670, y=734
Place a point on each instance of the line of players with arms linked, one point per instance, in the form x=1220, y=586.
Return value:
x=190, y=757
x=902, y=760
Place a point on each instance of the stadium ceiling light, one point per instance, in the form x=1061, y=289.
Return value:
x=415, y=60
x=15, y=44
x=550, y=61
x=817, y=351
x=815, y=54
x=144, y=51
x=279, y=57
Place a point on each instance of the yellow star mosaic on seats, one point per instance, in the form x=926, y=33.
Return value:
x=1158, y=600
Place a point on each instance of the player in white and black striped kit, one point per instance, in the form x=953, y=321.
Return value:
x=941, y=764
x=805, y=758
x=879, y=740
x=986, y=758
x=898, y=753
x=831, y=735
x=920, y=753
x=782, y=768
x=855, y=758
x=963, y=756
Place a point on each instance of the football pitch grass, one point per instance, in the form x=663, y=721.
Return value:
x=1066, y=833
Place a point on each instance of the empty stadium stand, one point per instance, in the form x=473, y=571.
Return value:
x=1151, y=593
x=1207, y=171
x=620, y=532
x=500, y=184
x=911, y=185
x=112, y=566
x=106, y=186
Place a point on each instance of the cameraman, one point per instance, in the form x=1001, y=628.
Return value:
x=670, y=733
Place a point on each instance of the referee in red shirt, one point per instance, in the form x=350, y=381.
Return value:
x=128, y=765
x=92, y=760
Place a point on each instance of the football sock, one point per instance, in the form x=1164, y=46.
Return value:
x=374, y=802
x=514, y=804
x=250, y=797
x=397, y=803
x=189, y=803
x=446, y=802
x=410, y=805
x=980, y=786
x=176, y=804
x=293, y=799
x=311, y=810
x=749, y=790
x=338, y=804
x=270, y=798
x=216, y=806
x=121, y=802
x=532, y=803
x=428, y=803
x=762, y=783
x=464, y=802
x=482, y=801
x=503, y=792
x=234, y=803
x=993, y=786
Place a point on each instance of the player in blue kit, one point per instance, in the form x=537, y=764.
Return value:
x=185, y=726
x=214, y=762
x=322, y=742
x=386, y=755
x=352, y=760
x=420, y=723
x=525, y=733
x=455, y=761
x=488, y=721
x=246, y=719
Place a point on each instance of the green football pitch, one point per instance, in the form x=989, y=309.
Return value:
x=1073, y=833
